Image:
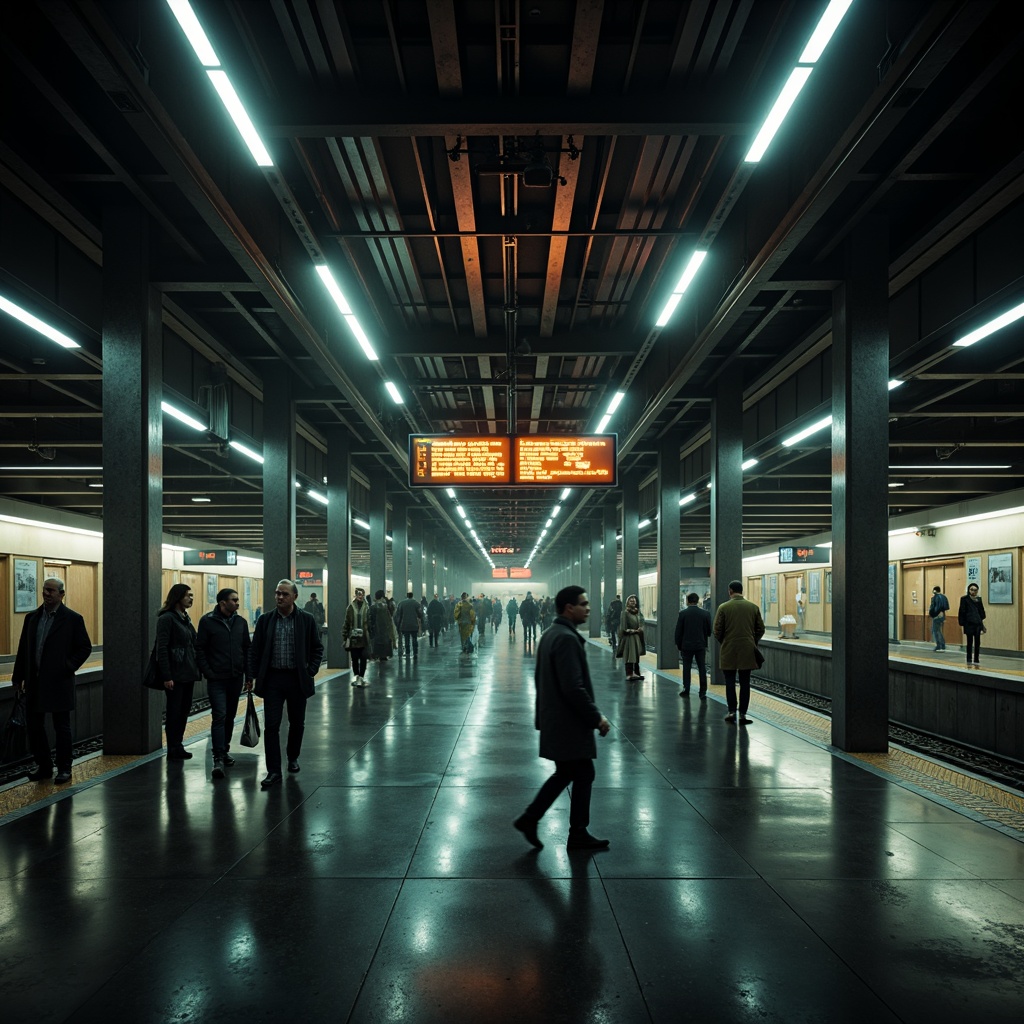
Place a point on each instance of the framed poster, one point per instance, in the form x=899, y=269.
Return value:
x=26, y=572
x=974, y=571
x=892, y=602
x=211, y=589
x=1000, y=578
x=247, y=590
x=773, y=589
x=764, y=597
x=828, y=586
x=814, y=588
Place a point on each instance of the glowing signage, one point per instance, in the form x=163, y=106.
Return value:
x=222, y=556
x=448, y=460
x=561, y=460
x=499, y=574
x=499, y=549
x=789, y=556
x=520, y=573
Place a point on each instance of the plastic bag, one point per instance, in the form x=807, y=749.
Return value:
x=12, y=738
x=251, y=729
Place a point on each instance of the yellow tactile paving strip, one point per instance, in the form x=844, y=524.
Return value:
x=985, y=799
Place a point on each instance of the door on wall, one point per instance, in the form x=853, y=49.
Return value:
x=5, y=606
x=81, y=588
x=793, y=587
x=918, y=579
x=754, y=590
x=915, y=614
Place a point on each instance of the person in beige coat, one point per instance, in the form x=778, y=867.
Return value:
x=738, y=627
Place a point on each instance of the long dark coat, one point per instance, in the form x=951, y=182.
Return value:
x=566, y=713
x=309, y=650
x=65, y=650
x=738, y=627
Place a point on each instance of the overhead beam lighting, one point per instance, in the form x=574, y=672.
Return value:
x=807, y=431
x=980, y=516
x=826, y=27
x=749, y=464
x=687, y=498
x=692, y=266
x=955, y=467
x=773, y=122
x=345, y=309
x=616, y=401
x=361, y=522
x=246, y=450
x=194, y=33
x=1004, y=320
x=182, y=416
x=565, y=493
x=396, y=396
x=13, y=309
x=317, y=496
x=237, y=113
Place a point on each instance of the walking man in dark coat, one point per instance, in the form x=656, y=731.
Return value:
x=566, y=717
x=738, y=627
x=284, y=657
x=54, y=645
x=693, y=627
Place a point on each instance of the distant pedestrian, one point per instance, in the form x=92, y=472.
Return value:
x=693, y=628
x=54, y=644
x=409, y=623
x=465, y=619
x=435, y=619
x=738, y=627
x=566, y=717
x=355, y=635
x=631, y=639
x=222, y=654
x=971, y=617
x=179, y=670
x=612, y=619
x=316, y=609
x=284, y=657
x=529, y=613
x=512, y=613
x=383, y=636
x=937, y=610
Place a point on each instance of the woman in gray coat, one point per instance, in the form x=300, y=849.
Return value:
x=631, y=639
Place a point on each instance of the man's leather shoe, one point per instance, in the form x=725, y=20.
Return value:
x=64, y=775
x=228, y=761
x=272, y=779
x=40, y=774
x=181, y=754
x=585, y=841
x=293, y=767
x=218, y=768
x=529, y=829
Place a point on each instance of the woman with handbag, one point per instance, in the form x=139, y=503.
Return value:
x=354, y=636
x=176, y=661
x=631, y=639
x=971, y=616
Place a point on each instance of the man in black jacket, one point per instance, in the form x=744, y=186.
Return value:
x=693, y=628
x=284, y=657
x=54, y=645
x=222, y=653
x=566, y=717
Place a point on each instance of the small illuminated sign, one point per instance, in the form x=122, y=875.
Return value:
x=565, y=460
x=499, y=574
x=448, y=460
x=793, y=555
x=221, y=556
x=520, y=573
x=497, y=549
x=309, y=578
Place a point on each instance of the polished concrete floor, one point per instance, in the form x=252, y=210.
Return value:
x=752, y=875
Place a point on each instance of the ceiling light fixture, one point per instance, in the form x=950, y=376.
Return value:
x=692, y=266
x=198, y=501
x=686, y=499
x=237, y=113
x=894, y=384
x=749, y=464
x=807, y=431
x=182, y=10
x=823, y=32
x=565, y=493
x=361, y=522
x=1004, y=320
x=182, y=417
x=956, y=467
x=50, y=526
x=13, y=309
x=345, y=309
x=246, y=450
x=980, y=516
x=396, y=396
x=773, y=122
x=317, y=496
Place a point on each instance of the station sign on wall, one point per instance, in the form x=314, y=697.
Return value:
x=220, y=556
x=528, y=460
x=309, y=578
x=794, y=555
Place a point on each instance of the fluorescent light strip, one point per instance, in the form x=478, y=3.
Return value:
x=643, y=523
x=904, y=531
x=461, y=511
x=616, y=401
x=981, y=515
x=749, y=464
x=894, y=384
x=686, y=499
x=246, y=450
x=50, y=526
x=955, y=467
x=603, y=425
x=796, y=81
x=1007, y=318
x=13, y=309
x=394, y=393
x=237, y=113
x=346, y=311
x=555, y=511
x=182, y=417
x=54, y=469
x=807, y=431
x=692, y=266
x=198, y=501
x=824, y=31
x=182, y=10
x=317, y=496
x=565, y=493
x=361, y=522
x=449, y=492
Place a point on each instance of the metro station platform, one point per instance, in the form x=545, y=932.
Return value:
x=753, y=875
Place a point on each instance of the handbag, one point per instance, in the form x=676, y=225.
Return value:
x=151, y=677
x=251, y=729
x=758, y=656
x=11, y=740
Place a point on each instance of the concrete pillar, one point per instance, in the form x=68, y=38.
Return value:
x=594, y=590
x=611, y=559
x=377, y=513
x=339, y=542
x=278, y=482
x=133, y=498
x=400, y=544
x=726, y=489
x=416, y=557
x=668, y=550
x=860, y=456
x=631, y=537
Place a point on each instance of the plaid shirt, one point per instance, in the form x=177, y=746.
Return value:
x=283, y=655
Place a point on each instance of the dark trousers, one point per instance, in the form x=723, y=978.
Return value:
x=280, y=688
x=179, y=704
x=40, y=742
x=730, y=688
x=410, y=643
x=357, y=655
x=701, y=654
x=529, y=630
x=224, y=695
x=435, y=633
x=581, y=775
x=973, y=640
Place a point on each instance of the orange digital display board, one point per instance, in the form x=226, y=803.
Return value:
x=499, y=573
x=561, y=460
x=519, y=573
x=447, y=460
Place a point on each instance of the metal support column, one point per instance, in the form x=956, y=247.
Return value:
x=400, y=545
x=339, y=542
x=726, y=489
x=416, y=557
x=668, y=550
x=631, y=537
x=133, y=500
x=594, y=590
x=860, y=410
x=378, y=514
x=278, y=482
x=611, y=560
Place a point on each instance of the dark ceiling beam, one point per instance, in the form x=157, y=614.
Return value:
x=71, y=412
x=47, y=377
x=435, y=344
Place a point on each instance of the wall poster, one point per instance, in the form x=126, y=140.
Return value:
x=892, y=602
x=974, y=571
x=26, y=572
x=211, y=589
x=773, y=589
x=247, y=588
x=814, y=588
x=1000, y=578
x=828, y=586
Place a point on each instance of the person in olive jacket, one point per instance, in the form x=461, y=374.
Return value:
x=738, y=627
x=222, y=653
x=971, y=616
x=54, y=645
x=566, y=717
x=176, y=661
x=284, y=657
